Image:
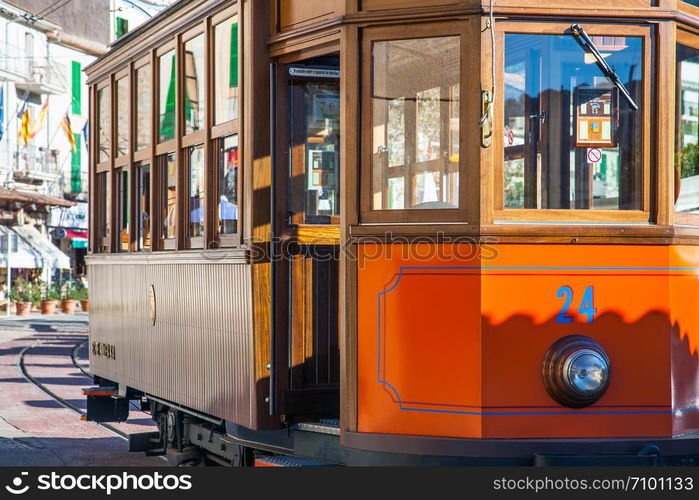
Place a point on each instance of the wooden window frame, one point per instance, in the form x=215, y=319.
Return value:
x=126, y=158
x=225, y=240
x=116, y=235
x=585, y=216
x=688, y=39
x=145, y=153
x=195, y=242
x=160, y=243
x=105, y=84
x=231, y=126
x=468, y=29
x=168, y=145
x=136, y=214
x=200, y=136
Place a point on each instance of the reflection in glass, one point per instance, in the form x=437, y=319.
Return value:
x=167, y=91
x=415, y=119
x=197, y=191
x=143, y=207
x=143, y=107
x=168, y=196
x=571, y=141
x=122, y=126
x=195, y=85
x=226, y=71
x=102, y=205
x=228, y=185
x=123, y=209
x=687, y=167
x=103, y=132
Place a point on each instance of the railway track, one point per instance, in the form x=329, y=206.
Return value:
x=22, y=366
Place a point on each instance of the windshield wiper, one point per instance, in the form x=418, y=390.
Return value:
x=584, y=39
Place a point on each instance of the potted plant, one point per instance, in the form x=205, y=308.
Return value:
x=80, y=293
x=51, y=295
x=68, y=302
x=24, y=294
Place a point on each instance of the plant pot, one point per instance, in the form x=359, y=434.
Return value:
x=23, y=308
x=85, y=305
x=68, y=306
x=48, y=307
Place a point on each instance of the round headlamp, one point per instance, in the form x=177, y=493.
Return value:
x=576, y=371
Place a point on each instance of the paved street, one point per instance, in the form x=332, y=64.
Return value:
x=34, y=428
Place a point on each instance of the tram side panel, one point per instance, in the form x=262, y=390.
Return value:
x=452, y=345
x=180, y=332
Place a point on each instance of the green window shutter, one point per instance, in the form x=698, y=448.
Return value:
x=75, y=167
x=122, y=27
x=233, y=79
x=76, y=72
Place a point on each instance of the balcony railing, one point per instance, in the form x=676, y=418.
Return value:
x=36, y=164
x=37, y=74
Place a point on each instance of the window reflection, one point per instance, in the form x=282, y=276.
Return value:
x=167, y=91
x=123, y=209
x=687, y=167
x=195, y=85
x=103, y=209
x=143, y=207
x=103, y=141
x=571, y=140
x=197, y=191
x=168, y=196
x=143, y=107
x=122, y=102
x=228, y=185
x=226, y=71
x=415, y=100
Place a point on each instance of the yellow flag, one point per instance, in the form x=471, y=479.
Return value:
x=41, y=121
x=65, y=125
x=24, y=134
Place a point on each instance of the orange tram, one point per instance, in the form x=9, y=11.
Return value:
x=397, y=232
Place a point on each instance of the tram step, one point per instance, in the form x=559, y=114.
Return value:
x=288, y=461
x=323, y=426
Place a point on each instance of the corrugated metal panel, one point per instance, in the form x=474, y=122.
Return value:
x=199, y=352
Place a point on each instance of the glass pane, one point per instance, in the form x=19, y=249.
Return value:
x=315, y=151
x=168, y=196
x=167, y=92
x=143, y=107
x=572, y=141
x=228, y=185
x=415, y=120
x=226, y=71
x=143, y=208
x=195, y=85
x=102, y=207
x=122, y=91
x=687, y=168
x=123, y=209
x=197, y=191
x=103, y=142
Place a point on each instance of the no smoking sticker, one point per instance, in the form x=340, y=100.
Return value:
x=594, y=155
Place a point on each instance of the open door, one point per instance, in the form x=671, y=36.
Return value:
x=307, y=362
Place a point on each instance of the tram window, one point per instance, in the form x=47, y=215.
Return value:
x=103, y=142
x=571, y=141
x=415, y=118
x=314, y=179
x=143, y=107
x=197, y=191
x=228, y=185
x=167, y=92
x=226, y=71
x=195, y=85
x=122, y=110
x=167, y=179
x=687, y=167
x=102, y=211
x=122, y=209
x=143, y=238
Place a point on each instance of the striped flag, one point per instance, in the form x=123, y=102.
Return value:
x=65, y=125
x=40, y=121
x=24, y=135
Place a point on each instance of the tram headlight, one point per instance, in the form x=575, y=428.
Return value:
x=576, y=371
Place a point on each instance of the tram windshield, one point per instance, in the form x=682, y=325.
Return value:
x=572, y=139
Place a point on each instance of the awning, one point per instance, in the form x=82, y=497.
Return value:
x=53, y=257
x=22, y=254
x=28, y=197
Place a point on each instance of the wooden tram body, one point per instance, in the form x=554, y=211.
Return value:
x=355, y=231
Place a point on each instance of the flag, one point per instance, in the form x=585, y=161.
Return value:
x=24, y=135
x=85, y=133
x=65, y=125
x=40, y=121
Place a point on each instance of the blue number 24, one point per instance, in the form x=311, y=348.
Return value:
x=587, y=305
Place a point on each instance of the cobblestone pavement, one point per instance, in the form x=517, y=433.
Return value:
x=36, y=430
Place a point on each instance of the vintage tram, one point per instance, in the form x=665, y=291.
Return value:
x=400, y=232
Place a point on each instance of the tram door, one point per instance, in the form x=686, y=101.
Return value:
x=308, y=176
